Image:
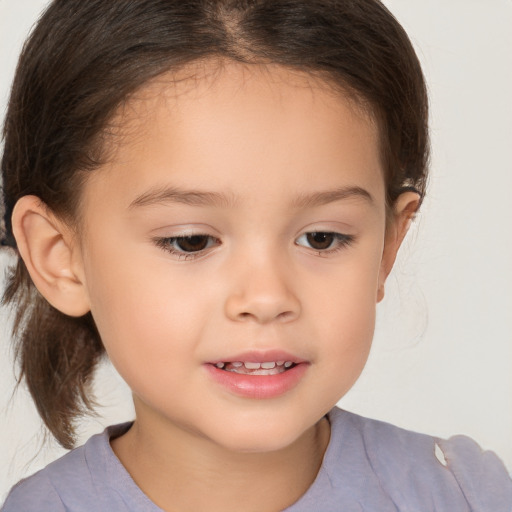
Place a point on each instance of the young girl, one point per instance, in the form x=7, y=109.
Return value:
x=213, y=192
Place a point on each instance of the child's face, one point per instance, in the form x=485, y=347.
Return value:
x=246, y=165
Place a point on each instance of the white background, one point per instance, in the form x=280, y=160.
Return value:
x=442, y=357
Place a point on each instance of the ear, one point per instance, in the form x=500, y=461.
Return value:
x=400, y=220
x=49, y=250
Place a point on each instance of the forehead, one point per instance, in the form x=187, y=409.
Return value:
x=230, y=124
x=211, y=85
x=216, y=75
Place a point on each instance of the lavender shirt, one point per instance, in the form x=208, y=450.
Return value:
x=368, y=466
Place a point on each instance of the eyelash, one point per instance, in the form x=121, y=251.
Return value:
x=166, y=244
x=341, y=241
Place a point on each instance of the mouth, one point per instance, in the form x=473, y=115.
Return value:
x=259, y=375
x=255, y=368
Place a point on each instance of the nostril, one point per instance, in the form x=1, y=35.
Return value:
x=262, y=308
x=285, y=315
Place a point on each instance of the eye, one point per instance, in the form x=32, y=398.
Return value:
x=187, y=247
x=192, y=243
x=325, y=241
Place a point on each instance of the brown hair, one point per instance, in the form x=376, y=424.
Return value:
x=84, y=58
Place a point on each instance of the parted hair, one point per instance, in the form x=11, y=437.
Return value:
x=83, y=59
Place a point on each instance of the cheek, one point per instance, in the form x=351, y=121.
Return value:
x=348, y=325
x=347, y=334
x=145, y=316
x=346, y=308
x=347, y=292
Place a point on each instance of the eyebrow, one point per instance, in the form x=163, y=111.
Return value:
x=330, y=196
x=162, y=195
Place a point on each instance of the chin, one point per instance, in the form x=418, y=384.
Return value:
x=258, y=444
x=261, y=437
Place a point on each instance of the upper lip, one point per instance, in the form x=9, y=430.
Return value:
x=262, y=356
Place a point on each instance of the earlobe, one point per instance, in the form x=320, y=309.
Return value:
x=404, y=211
x=47, y=249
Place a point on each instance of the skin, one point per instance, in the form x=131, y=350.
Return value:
x=263, y=137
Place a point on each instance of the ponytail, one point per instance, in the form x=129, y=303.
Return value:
x=56, y=355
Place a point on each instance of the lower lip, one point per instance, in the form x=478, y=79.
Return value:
x=258, y=386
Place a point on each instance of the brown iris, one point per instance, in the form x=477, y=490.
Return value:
x=320, y=240
x=192, y=243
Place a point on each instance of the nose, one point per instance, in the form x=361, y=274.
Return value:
x=261, y=293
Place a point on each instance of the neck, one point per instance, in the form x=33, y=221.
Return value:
x=180, y=471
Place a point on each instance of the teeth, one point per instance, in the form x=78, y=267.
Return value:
x=266, y=366
x=249, y=365
x=271, y=371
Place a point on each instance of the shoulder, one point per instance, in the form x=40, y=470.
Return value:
x=75, y=482
x=417, y=470
x=480, y=474
x=33, y=493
